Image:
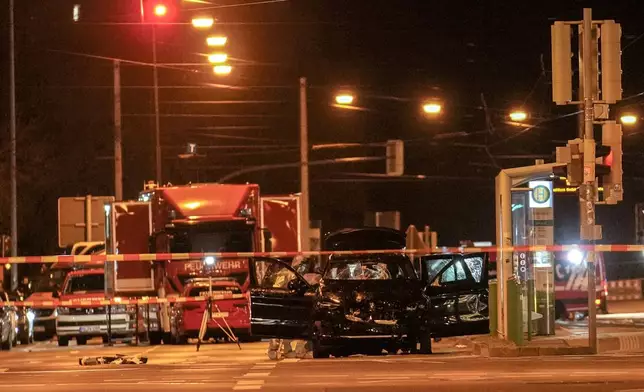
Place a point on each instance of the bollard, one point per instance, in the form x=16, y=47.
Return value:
x=147, y=319
x=136, y=324
x=515, y=312
x=109, y=325
x=492, y=306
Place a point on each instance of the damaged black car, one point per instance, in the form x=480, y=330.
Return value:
x=367, y=303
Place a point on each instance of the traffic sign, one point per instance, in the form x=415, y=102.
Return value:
x=81, y=219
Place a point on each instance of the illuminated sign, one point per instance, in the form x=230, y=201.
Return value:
x=540, y=194
x=571, y=189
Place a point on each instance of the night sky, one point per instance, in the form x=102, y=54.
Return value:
x=392, y=54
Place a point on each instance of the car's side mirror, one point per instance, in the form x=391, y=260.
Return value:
x=297, y=286
x=429, y=290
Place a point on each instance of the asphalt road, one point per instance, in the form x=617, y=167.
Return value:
x=223, y=367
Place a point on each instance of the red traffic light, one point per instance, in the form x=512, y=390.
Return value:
x=608, y=160
x=159, y=11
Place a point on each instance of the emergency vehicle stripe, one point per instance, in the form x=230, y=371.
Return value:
x=419, y=252
x=118, y=301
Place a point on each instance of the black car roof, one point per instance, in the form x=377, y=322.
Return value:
x=365, y=238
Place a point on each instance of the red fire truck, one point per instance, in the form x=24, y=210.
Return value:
x=188, y=219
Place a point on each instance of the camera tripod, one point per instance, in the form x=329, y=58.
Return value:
x=209, y=315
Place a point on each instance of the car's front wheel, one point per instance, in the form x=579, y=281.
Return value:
x=6, y=345
x=63, y=341
x=320, y=351
x=155, y=338
x=25, y=336
x=425, y=343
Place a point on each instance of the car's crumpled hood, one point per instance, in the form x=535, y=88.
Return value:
x=373, y=298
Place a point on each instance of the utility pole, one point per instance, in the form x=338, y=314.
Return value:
x=118, y=153
x=157, y=126
x=587, y=159
x=304, y=166
x=587, y=189
x=12, y=142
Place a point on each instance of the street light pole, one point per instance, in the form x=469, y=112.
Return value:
x=118, y=152
x=304, y=167
x=157, y=130
x=12, y=137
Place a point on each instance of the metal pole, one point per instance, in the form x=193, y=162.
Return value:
x=304, y=166
x=157, y=131
x=12, y=131
x=118, y=153
x=589, y=183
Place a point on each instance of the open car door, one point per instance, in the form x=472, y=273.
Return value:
x=281, y=301
x=457, y=287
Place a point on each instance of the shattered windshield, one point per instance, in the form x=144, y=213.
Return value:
x=434, y=266
x=370, y=269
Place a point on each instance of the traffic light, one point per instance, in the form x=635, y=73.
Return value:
x=611, y=59
x=572, y=156
x=395, y=157
x=608, y=165
x=159, y=11
x=560, y=34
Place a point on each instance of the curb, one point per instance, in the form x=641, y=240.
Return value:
x=624, y=343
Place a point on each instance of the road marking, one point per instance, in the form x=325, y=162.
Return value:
x=254, y=375
x=248, y=385
x=120, y=369
x=23, y=385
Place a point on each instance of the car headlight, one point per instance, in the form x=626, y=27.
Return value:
x=62, y=310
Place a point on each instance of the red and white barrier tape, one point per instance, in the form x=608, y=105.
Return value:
x=230, y=255
x=80, y=303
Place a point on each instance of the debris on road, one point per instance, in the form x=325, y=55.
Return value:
x=117, y=359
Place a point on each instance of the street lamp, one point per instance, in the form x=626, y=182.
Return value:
x=432, y=108
x=518, y=115
x=344, y=99
x=216, y=40
x=218, y=58
x=628, y=119
x=204, y=22
x=222, y=69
